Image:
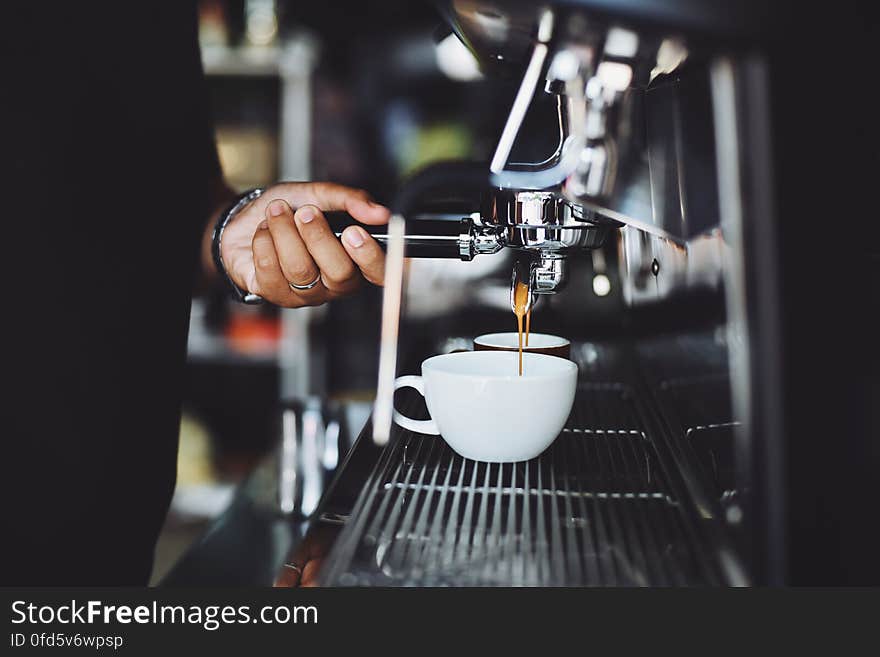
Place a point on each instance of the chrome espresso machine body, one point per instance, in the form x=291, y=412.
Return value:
x=677, y=464
x=652, y=482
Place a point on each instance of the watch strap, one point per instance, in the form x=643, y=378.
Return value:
x=236, y=206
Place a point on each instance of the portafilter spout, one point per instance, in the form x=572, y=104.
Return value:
x=549, y=273
x=521, y=275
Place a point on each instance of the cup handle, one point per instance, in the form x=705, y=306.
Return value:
x=419, y=426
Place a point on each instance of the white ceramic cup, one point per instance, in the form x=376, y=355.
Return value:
x=485, y=410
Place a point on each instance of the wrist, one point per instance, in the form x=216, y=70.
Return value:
x=226, y=216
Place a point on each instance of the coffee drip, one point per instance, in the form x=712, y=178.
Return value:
x=528, y=325
x=521, y=308
x=521, y=302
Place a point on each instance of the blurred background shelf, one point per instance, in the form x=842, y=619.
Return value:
x=248, y=61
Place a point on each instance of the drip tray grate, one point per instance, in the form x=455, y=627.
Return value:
x=595, y=509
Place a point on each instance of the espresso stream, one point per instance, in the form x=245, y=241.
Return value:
x=520, y=302
x=528, y=324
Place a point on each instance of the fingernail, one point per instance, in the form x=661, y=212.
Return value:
x=264, y=225
x=276, y=208
x=355, y=237
x=305, y=214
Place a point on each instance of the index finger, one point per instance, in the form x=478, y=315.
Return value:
x=330, y=196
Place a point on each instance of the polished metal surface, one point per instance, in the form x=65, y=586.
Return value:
x=544, y=225
x=549, y=274
x=547, y=210
x=654, y=268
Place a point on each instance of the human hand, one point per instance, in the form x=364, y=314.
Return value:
x=282, y=240
x=303, y=566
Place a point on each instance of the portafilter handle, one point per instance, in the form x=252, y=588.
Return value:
x=425, y=238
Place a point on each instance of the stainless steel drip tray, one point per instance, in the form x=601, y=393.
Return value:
x=600, y=507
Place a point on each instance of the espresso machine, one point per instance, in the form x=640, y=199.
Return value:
x=629, y=151
x=679, y=464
